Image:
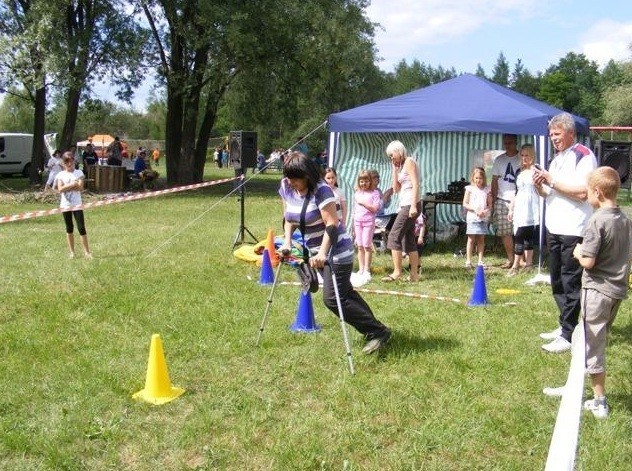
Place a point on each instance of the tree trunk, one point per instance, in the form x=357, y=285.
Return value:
x=72, y=108
x=173, y=137
x=37, y=156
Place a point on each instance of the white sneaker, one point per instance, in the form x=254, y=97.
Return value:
x=357, y=280
x=598, y=407
x=554, y=392
x=559, y=345
x=551, y=335
x=366, y=277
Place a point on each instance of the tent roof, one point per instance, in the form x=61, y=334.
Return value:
x=464, y=103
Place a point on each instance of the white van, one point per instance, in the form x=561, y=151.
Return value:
x=15, y=153
x=16, y=149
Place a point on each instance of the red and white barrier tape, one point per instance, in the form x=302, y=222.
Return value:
x=121, y=199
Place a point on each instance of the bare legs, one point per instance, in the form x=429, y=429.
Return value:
x=508, y=245
x=479, y=241
x=70, y=240
x=413, y=258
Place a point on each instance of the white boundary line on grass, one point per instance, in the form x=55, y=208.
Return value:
x=563, y=448
x=393, y=293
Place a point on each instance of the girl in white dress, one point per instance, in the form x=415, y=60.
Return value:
x=477, y=201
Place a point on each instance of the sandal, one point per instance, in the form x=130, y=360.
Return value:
x=411, y=280
x=389, y=279
x=507, y=264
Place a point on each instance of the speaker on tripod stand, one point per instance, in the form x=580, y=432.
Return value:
x=242, y=146
x=243, y=149
x=618, y=155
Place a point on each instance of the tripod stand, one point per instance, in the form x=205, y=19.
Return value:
x=241, y=233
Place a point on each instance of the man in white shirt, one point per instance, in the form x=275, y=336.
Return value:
x=567, y=210
x=504, y=172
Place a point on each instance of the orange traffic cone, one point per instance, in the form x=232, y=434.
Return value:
x=158, y=389
x=274, y=256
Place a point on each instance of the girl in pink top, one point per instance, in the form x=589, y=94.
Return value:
x=366, y=204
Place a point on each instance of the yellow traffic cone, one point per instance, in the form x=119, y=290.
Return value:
x=158, y=389
x=274, y=256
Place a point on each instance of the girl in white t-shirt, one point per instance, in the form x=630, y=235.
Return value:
x=69, y=183
x=477, y=201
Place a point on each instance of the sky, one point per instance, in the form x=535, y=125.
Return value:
x=465, y=33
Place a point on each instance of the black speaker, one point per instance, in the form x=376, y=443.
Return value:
x=618, y=155
x=243, y=149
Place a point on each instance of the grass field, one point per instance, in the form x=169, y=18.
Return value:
x=458, y=388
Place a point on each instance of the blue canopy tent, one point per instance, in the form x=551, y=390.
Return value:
x=441, y=126
x=464, y=104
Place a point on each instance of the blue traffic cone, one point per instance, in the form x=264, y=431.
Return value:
x=479, y=292
x=266, y=276
x=305, y=321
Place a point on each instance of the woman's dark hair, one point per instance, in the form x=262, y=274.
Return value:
x=297, y=165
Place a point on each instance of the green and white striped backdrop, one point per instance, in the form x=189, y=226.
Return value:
x=443, y=157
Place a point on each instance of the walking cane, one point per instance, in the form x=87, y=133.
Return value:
x=285, y=253
x=333, y=237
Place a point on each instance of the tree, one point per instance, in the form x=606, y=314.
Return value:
x=618, y=98
x=574, y=84
x=203, y=47
x=99, y=40
x=480, y=72
x=523, y=81
x=500, y=72
x=417, y=75
x=16, y=112
x=332, y=69
x=26, y=35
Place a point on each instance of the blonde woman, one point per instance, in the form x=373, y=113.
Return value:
x=401, y=238
x=524, y=211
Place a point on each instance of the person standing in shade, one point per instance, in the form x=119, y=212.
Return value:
x=564, y=188
x=504, y=173
x=89, y=158
x=402, y=238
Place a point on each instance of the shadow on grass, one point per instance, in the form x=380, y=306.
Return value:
x=405, y=344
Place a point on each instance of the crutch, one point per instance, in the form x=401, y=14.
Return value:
x=333, y=237
x=285, y=253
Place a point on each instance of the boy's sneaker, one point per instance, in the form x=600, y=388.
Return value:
x=376, y=343
x=598, y=407
x=551, y=335
x=559, y=345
